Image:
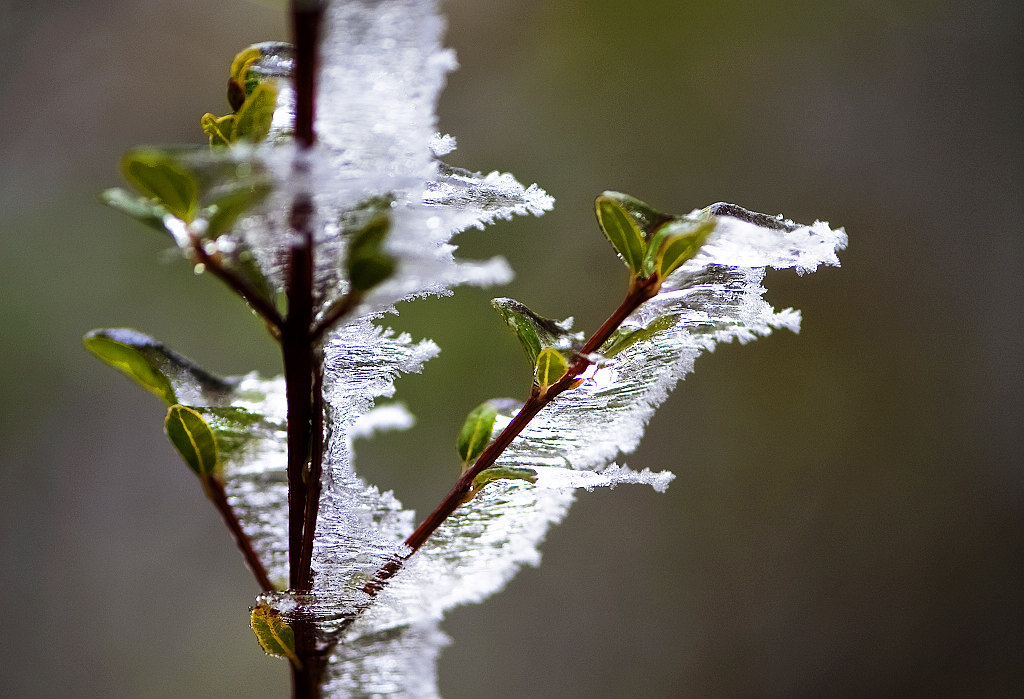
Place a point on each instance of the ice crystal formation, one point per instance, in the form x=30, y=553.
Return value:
x=383, y=67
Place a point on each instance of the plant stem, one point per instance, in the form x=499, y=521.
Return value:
x=302, y=363
x=313, y=484
x=306, y=18
x=257, y=302
x=215, y=491
x=299, y=367
x=639, y=292
x=297, y=347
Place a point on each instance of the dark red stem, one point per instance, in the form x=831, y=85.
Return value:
x=215, y=491
x=257, y=302
x=299, y=367
x=301, y=361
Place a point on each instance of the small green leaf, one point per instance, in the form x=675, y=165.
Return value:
x=675, y=243
x=120, y=352
x=252, y=122
x=156, y=368
x=534, y=331
x=140, y=208
x=275, y=636
x=194, y=439
x=219, y=129
x=645, y=216
x=624, y=338
x=227, y=207
x=368, y=264
x=476, y=431
x=622, y=229
x=256, y=64
x=157, y=174
x=495, y=473
x=551, y=366
x=519, y=318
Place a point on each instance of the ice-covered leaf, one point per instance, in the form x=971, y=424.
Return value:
x=551, y=366
x=156, y=368
x=674, y=243
x=475, y=434
x=642, y=215
x=194, y=440
x=623, y=230
x=254, y=66
x=535, y=332
x=253, y=120
x=158, y=174
x=628, y=336
x=499, y=473
x=368, y=264
x=228, y=205
x=275, y=636
x=142, y=209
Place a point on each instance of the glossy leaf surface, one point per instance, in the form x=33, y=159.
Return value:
x=157, y=174
x=274, y=635
x=142, y=209
x=194, y=439
x=622, y=230
x=533, y=331
x=476, y=431
x=551, y=366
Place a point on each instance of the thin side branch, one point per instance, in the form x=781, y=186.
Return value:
x=257, y=302
x=313, y=484
x=639, y=292
x=215, y=491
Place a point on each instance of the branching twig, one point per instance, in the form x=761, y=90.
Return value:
x=639, y=292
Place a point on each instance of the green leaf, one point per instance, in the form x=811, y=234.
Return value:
x=624, y=338
x=534, y=331
x=227, y=207
x=368, y=264
x=156, y=368
x=128, y=357
x=622, y=229
x=551, y=366
x=194, y=439
x=157, y=174
x=252, y=122
x=495, y=473
x=647, y=218
x=219, y=129
x=256, y=64
x=140, y=208
x=675, y=243
x=275, y=636
x=476, y=431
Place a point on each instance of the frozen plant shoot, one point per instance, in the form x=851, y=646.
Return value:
x=321, y=200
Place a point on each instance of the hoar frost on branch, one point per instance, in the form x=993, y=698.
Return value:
x=377, y=153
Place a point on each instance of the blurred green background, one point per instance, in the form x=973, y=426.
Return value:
x=847, y=517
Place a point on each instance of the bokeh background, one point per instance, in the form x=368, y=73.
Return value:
x=847, y=517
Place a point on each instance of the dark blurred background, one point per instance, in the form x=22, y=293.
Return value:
x=847, y=517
